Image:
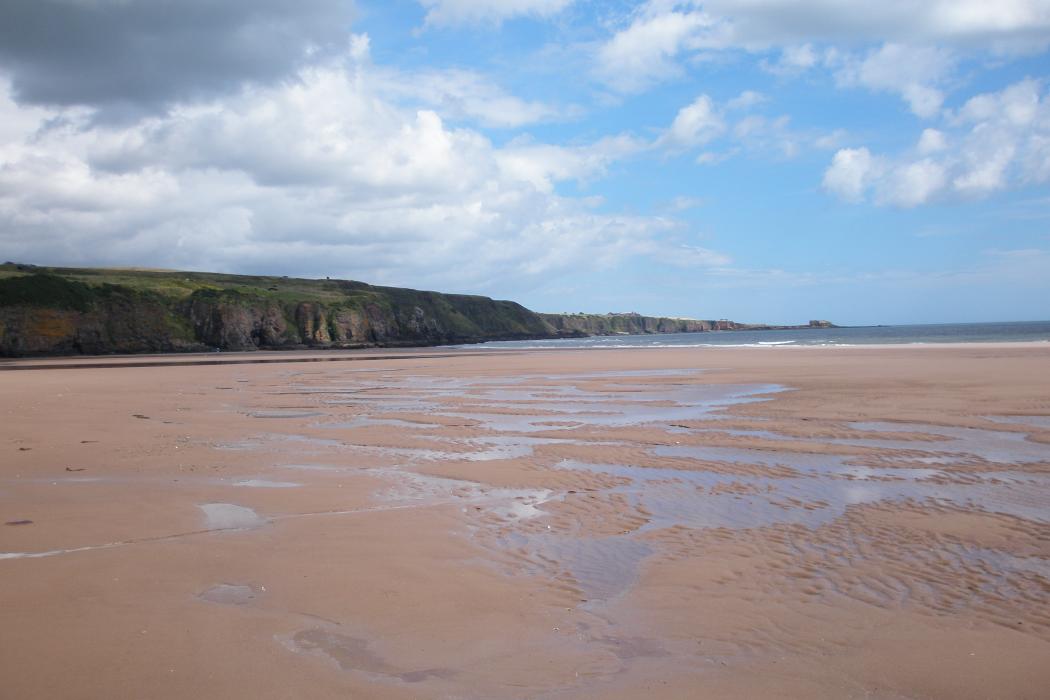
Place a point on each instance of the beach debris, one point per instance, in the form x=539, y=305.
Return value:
x=19, y=522
x=139, y=415
x=24, y=449
x=75, y=469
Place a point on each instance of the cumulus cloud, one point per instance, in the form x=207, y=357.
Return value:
x=543, y=165
x=455, y=12
x=661, y=35
x=850, y=173
x=931, y=141
x=913, y=183
x=993, y=142
x=735, y=126
x=322, y=175
x=644, y=53
x=467, y=95
x=746, y=100
x=1006, y=25
x=456, y=93
x=694, y=125
x=793, y=60
x=136, y=55
x=912, y=72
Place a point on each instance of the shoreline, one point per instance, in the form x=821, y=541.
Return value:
x=775, y=345
x=438, y=352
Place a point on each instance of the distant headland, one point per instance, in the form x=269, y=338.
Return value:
x=631, y=323
x=61, y=311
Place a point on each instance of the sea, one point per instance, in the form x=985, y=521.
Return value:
x=993, y=332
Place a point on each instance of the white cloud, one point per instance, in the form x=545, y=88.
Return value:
x=716, y=157
x=793, y=60
x=984, y=161
x=469, y=95
x=931, y=141
x=993, y=142
x=704, y=122
x=458, y=94
x=644, y=53
x=18, y=123
x=1017, y=105
x=1004, y=25
x=774, y=137
x=914, y=183
x=694, y=125
x=684, y=203
x=542, y=165
x=662, y=35
x=321, y=176
x=912, y=72
x=746, y=100
x=850, y=173
x=455, y=12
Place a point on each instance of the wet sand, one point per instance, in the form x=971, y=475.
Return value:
x=703, y=523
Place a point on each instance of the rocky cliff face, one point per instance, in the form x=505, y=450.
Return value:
x=51, y=316
x=90, y=311
x=47, y=313
x=636, y=324
x=626, y=324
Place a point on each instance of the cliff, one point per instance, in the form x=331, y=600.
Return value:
x=70, y=310
x=636, y=324
x=624, y=324
x=51, y=311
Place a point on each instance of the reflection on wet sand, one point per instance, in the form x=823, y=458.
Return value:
x=788, y=486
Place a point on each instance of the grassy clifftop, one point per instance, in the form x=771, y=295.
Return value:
x=69, y=310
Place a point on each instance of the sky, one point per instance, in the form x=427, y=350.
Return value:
x=758, y=160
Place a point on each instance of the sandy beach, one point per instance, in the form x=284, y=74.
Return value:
x=863, y=522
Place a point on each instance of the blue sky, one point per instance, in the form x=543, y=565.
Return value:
x=759, y=160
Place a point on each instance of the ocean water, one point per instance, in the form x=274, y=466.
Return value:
x=999, y=332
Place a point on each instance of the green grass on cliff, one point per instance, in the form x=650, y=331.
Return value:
x=42, y=289
x=176, y=285
x=180, y=285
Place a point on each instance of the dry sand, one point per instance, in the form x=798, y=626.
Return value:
x=761, y=523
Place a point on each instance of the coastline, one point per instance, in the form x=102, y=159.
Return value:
x=770, y=346
x=434, y=352
x=686, y=523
